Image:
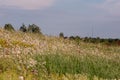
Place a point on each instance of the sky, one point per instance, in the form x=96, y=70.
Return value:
x=92, y=18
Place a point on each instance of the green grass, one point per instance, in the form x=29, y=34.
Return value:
x=89, y=65
x=58, y=66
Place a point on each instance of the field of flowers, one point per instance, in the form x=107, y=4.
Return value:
x=28, y=56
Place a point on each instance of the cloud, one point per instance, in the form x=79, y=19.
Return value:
x=111, y=6
x=27, y=4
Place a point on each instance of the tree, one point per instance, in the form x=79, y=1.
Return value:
x=77, y=37
x=34, y=29
x=23, y=28
x=9, y=27
x=61, y=35
x=72, y=38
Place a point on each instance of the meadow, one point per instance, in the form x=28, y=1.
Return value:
x=28, y=56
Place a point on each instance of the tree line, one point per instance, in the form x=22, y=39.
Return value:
x=30, y=28
x=109, y=41
x=36, y=29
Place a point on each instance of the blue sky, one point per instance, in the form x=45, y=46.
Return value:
x=72, y=17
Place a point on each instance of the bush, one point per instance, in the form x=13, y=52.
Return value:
x=23, y=28
x=72, y=38
x=34, y=29
x=61, y=35
x=9, y=27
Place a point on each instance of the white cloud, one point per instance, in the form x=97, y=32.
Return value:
x=27, y=4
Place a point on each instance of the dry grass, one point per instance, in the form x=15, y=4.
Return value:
x=23, y=47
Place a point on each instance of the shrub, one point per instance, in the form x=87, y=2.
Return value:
x=9, y=27
x=61, y=35
x=34, y=29
x=23, y=28
x=72, y=38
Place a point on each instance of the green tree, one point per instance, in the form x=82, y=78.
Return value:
x=61, y=35
x=23, y=28
x=34, y=29
x=9, y=27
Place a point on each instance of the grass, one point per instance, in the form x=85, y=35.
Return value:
x=21, y=44
x=9, y=75
x=89, y=65
x=6, y=64
x=40, y=57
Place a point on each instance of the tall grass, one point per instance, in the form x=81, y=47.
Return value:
x=89, y=65
x=38, y=57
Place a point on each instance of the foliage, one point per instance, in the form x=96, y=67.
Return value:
x=31, y=28
x=34, y=29
x=97, y=40
x=23, y=28
x=61, y=35
x=9, y=27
